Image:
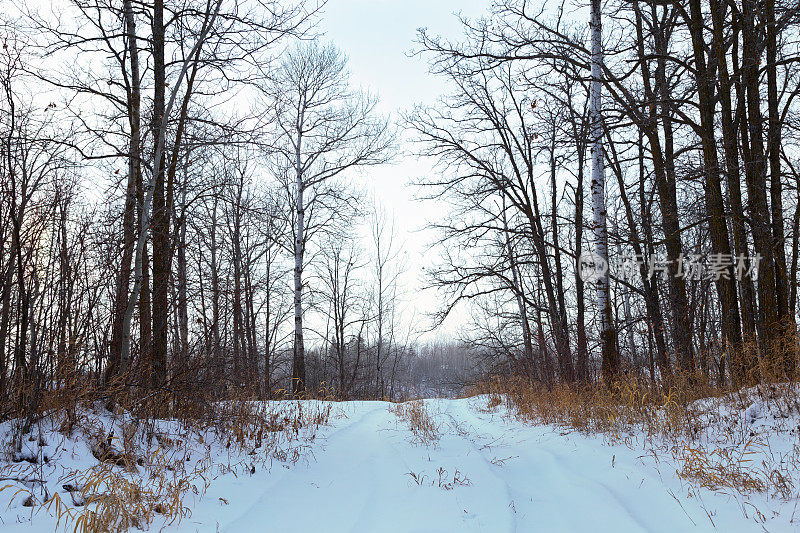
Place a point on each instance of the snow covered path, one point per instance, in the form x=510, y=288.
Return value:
x=486, y=473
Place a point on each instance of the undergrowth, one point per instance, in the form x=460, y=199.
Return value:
x=123, y=463
x=718, y=439
x=419, y=421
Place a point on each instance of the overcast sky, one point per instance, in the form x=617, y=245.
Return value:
x=377, y=35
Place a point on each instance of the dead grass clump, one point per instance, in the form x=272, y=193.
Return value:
x=116, y=502
x=722, y=468
x=445, y=481
x=250, y=425
x=419, y=421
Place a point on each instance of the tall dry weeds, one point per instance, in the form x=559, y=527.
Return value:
x=422, y=425
x=708, y=431
x=142, y=469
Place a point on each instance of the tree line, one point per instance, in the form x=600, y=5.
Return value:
x=178, y=209
x=679, y=119
x=177, y=197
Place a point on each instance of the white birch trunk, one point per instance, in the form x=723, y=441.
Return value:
x=600, y=229
x=298, y=363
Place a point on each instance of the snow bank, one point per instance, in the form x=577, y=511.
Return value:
x=367, y=470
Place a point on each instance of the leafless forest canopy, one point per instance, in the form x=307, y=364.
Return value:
x=178, y=211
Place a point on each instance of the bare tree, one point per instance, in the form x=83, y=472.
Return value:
x=387, y=267
x=325, y=129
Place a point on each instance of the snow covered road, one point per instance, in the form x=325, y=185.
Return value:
x=487, y=473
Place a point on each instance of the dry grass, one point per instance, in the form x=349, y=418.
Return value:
x=150, y=453
x=629, y=406
x=442, y=480
x=419, y=421
x=722, y=469
x=717, y=438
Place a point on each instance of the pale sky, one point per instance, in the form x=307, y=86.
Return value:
x=377, y=36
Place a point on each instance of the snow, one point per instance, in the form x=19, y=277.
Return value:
x=366, y=471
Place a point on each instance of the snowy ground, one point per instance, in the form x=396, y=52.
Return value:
x=366, y=471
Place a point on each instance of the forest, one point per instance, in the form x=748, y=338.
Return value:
x=187, y=224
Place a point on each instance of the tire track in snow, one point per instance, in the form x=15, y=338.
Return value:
x=302, y=481
x=570, y=477
x=490, y=467
x=358, y=480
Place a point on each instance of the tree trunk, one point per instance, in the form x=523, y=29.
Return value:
x=610, y=360
x=787, y=327
x=160, y=208
x=518, y=295
x=720, y=242
x=119, y=356
x=664, y=173
x=182, y=281
x=299, y=359
x=582, y=355
x=733, y=180
x=755, y=174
